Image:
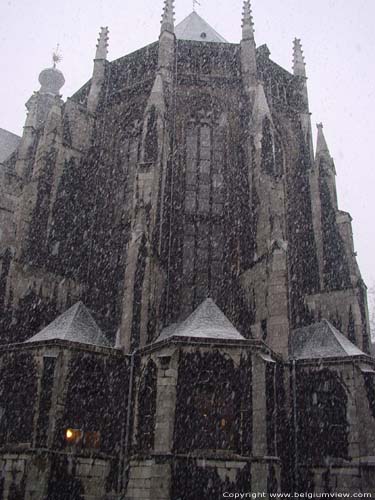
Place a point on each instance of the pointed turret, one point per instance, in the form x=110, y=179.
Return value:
x=98, y=75
x=248, y=49
x=167, y=41
x=299, y=66
x=167, y=22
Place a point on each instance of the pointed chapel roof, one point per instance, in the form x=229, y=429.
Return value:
x=193, y=27
x=74, y=325
x=207, y=321
x=321, y=340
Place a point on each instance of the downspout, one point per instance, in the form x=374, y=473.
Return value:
x=295, y=426
x=126, y=430
x=275, y=411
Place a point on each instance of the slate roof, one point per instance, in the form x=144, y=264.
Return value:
x=75, y=325
x=321, y=340
x=8, y=144
x=207, y=321
x=193, y=27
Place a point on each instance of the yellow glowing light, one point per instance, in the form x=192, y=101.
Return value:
x=69, y=434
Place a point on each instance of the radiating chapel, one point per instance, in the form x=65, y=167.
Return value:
x=182, y=316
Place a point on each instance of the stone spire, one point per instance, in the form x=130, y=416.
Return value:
x=102, y=47
x=247, y=22
x=248, y=49
x=98, y=75
x=167, y=22
x=299, y=66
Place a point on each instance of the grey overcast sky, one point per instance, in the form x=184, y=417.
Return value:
x=339, y=45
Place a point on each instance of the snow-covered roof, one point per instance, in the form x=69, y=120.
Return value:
x=321, y=340
x=8, y=144
x=75, y=325
x=193, y=27
x=207, y=321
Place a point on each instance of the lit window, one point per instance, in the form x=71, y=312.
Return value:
x=73, y=436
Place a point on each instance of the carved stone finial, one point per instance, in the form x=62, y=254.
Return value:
x=299, y=66
x=167, y=22
x=102, y=46
x=247, y=21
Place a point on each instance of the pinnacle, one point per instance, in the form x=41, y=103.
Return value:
x=102, y=46
x=322, y=151
x=167, y=22
x=247, y=21
x=299, y=66
x=321, y=146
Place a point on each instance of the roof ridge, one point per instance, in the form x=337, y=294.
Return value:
x=206, y=321
x=334, y=331
x=9, y=132
x=193, y=26
x=339, y=336
x=73, y=316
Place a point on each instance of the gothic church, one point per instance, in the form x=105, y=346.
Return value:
x=182, y=316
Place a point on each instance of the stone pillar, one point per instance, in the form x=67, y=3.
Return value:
x=150, y=479
x=277, y=302
x=165, y=401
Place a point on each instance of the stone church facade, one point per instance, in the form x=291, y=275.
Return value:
x=182, y=313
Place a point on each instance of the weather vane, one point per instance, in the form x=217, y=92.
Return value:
x=195, y=3
x=56, y=56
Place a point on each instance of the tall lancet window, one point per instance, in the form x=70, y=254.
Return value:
x=204, y=204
